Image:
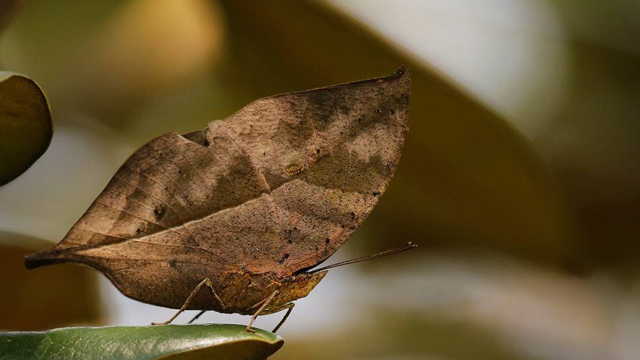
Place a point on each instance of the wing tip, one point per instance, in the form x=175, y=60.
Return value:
x=401, y=72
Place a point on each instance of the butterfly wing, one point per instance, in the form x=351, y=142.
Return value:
x=275, y=188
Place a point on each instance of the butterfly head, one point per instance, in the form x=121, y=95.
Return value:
x=298, y=286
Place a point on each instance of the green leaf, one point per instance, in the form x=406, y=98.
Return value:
x=175, y=342
x=25, y=124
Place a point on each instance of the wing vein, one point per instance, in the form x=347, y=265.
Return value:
x=138, y=217
x=166, y=189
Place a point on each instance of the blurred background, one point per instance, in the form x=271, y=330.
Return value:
x=520, y=178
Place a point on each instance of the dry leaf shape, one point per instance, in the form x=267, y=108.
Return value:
x=249, y=202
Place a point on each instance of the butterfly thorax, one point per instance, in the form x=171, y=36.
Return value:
x=244, y=293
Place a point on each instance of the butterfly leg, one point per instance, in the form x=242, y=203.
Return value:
x=197, y=316
x=289, y=307
x=206, y=282
x=210, y=286
x=265, y=303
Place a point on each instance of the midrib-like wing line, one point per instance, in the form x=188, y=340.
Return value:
x=221, y=268
x=177, y=246
x=268, y=191
x=217, y=212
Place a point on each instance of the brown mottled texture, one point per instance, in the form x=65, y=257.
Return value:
x=250, y=202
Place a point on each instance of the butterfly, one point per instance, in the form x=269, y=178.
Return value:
x=235, y=217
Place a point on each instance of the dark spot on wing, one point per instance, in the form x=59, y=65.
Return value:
x=159, y=212
x=292, y=235
x=283, y=258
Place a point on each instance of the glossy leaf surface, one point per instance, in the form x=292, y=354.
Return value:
x=221, y=342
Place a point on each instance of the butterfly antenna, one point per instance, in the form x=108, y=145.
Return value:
x=399, y=249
